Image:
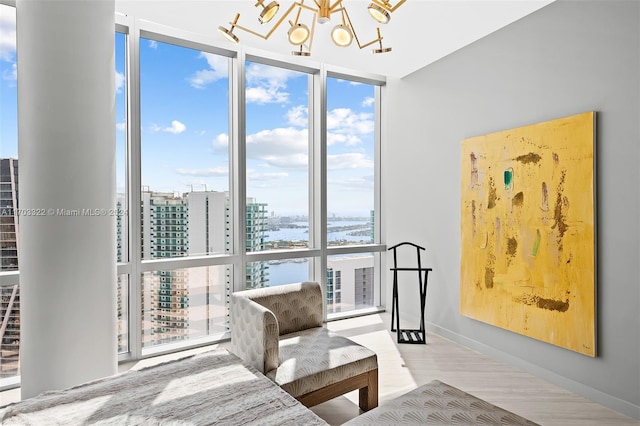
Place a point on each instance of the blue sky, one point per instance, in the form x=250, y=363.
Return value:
x=8, y=84
x=185, y=126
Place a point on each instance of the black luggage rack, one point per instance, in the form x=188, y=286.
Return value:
x=409, y=335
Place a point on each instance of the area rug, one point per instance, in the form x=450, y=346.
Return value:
x=438, y=403
x=213, y=388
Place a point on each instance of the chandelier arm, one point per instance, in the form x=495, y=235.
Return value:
x=370, y=43
x=360, y=46
x=276, y=25
x=313, y=29
x=332, y=9
x=299, y=12
x=386, y=5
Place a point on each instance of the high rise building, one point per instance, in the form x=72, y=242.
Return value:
x=192, y=302
x=209, y=233
x=10, y=295
x=165, y=294
x=9, y=214
x=350, y=283
x=256, y=274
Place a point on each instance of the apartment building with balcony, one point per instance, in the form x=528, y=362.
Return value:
x=10, y=295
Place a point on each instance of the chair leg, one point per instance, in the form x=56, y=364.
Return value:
x=369, y=394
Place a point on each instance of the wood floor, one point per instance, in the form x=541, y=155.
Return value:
x=404, y=367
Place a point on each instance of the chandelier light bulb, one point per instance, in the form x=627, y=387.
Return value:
x=298, y=34
x=268, y=12
x=379, y=13
x=228, y=35
x=341, y=35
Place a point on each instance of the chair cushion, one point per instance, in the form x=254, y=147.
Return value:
x=314, y=358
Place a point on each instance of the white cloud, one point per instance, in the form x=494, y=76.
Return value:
x=11, y=75
x=258, y=72
x=119, y=82
x=368, y=101
x=350, y=140
x=354, y=183
x=213, y=172
x=153, y=44
x=265, y=95
x=266, y=84
x=343, y=124
x=282, y=147
x=7, y=34
x=346, y=121
x=349, y=161
x=298, y=116
x=175, y=128
x=351, y=82
x=221, y=142
x=122, y=126
x=255, y=176
x=218, y=69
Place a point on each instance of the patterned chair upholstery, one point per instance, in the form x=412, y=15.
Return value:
x=279, y=331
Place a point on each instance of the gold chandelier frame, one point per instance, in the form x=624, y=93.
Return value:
x=299, y=33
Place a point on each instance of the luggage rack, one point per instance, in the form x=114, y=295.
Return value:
x=409, y=335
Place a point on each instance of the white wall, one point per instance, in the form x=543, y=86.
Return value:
x=566, y=58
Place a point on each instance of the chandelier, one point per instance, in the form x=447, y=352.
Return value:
x=299, y=33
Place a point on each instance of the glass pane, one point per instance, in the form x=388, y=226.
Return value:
x=184, y=96
x=350, y=282
x=10, y=338
x=277, y=105
x=276, y=272
x=183, y=304
x=123, y=313
x=9, y=295
x=122, y=219
x=9, y=145
x=350, y=162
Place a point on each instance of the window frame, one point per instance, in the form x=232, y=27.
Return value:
x=238, y=258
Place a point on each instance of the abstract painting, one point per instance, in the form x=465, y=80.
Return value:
x=528, y=231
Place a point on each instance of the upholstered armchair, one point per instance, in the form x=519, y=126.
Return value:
x=279, y=331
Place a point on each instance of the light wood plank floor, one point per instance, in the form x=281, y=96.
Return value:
x=405, y=367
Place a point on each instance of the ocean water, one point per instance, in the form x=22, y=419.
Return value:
x=295, y=271
x=288, y=272
x=302, y=234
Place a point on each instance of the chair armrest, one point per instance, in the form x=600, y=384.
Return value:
x=296, y=306
x=254, y=333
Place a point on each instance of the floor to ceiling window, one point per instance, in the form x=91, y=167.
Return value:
x=220, y=186
x=9, y=208
x=185, y=207
x=352, y=279
x=122, y=200
x=277, y=171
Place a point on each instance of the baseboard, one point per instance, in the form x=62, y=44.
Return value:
x=609, y=401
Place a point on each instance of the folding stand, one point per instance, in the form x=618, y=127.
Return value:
x=409, y=335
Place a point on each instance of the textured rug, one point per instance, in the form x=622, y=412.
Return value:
x=213, y=388
x=438, y=403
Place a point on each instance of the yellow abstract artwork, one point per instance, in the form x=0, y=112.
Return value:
x=528, y=231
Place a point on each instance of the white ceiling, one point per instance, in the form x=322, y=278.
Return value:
x=420, y=31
